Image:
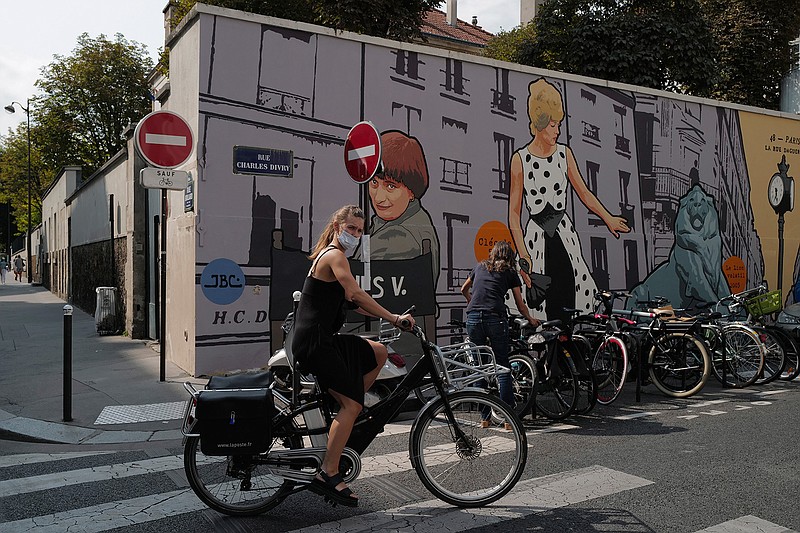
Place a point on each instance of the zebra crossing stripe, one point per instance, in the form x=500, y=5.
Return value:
x=11, y=487
x=33, y=458
x=527, y=498
x=747, y=524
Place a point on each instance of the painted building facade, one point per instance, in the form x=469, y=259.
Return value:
x=600, y=185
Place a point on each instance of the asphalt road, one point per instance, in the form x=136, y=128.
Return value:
x=723, y=461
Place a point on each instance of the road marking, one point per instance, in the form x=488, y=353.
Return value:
x=534, y=495
x=746, y=524
x=714, y=412
x=11, y=487
x=638, y=414
x=132, y=414
x=526, y=498
x=33, y=458
x=771, y=392
x=707, y=403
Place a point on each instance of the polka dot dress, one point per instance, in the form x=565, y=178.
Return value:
x=546, y=182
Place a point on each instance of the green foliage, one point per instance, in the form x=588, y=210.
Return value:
x=381, y=18
x=754, y=38
x=14, y=175
x=736, y=50
x=508, y=45
x=89, y=99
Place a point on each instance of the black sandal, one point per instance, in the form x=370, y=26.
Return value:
x=327, y=487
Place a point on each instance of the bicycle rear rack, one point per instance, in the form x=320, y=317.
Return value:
x=465, y=363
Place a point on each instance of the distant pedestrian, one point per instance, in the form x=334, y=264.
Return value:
x=3, y=270
x=19, y=264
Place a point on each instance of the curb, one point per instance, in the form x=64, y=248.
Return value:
x=22, y=429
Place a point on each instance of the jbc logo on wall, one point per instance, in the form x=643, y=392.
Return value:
x=222, y=282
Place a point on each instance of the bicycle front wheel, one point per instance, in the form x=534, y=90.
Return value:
x=461, y=462
x=775, y=357
x=744, y=355
x=556, y=386
x=610, y=366
x=679, y=364
x=236, y=485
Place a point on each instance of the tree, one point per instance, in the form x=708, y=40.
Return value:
x=86, y=102
x=88, y=99
x=14, y=175
x=401, y=21
x=654, y=43
x=736, y=50
x=753, y=38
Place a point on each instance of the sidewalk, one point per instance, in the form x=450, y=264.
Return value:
x=113, y=376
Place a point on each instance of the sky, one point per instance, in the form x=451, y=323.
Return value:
x=29, y=40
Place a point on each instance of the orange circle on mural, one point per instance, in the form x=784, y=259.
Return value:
x=488, y=234
x=736, y=273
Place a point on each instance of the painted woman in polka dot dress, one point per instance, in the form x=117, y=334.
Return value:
x=541, y=173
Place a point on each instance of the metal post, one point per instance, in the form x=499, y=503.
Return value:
x=67, y=363
x=780, y=253
x=163, y=328
x=28, y=238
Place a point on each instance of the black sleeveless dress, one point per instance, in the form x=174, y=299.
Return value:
x=338, y=361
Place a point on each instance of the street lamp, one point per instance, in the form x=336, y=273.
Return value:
x=27, y=108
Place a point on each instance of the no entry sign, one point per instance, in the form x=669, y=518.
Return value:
x=164, y=139
x=362, y=152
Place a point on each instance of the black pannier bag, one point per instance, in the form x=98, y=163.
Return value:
x=233, y=416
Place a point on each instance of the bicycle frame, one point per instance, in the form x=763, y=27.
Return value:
x=368, y=425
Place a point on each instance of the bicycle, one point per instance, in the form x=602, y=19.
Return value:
x=677, y=362
x=561, y=381
x=607, y=349
x=736, y=350
x=753, y=307
x=456, y=459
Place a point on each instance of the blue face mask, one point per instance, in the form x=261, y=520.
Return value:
x=348, y=241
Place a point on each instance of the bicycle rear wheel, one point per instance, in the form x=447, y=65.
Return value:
x=467, y=466
x=610, y=365
x=775, y=357
x=236, y=485
x=679, y=364
x=587, y=381
x=556, y=386
x=792, y=367
x=744, y=356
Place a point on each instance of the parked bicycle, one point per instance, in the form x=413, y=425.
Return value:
x=455, y=458
x=754, y=307
x=550, y=365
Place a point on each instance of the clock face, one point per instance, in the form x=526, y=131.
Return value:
x=775, y=190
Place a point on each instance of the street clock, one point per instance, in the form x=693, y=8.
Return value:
x=780, y=190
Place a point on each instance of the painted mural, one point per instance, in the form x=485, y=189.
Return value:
x=596, y=187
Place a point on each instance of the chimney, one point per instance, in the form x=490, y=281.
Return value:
x=474, y=20
x=452, y=12
x=528, y=10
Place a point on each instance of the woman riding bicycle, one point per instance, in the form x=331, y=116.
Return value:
x=345, y=365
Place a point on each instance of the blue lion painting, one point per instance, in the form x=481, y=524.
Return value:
x=693, y=273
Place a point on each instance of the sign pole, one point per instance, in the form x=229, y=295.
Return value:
x=163, y=269
x=166, y=141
